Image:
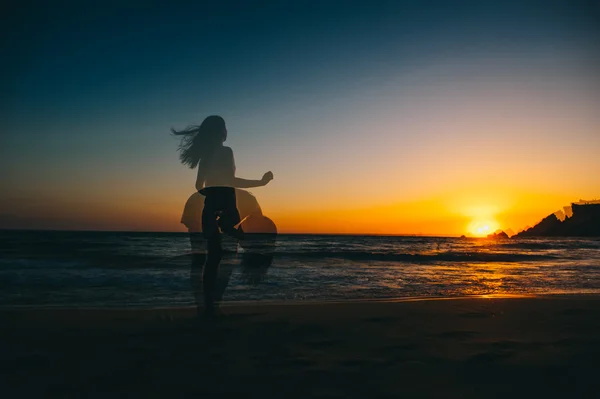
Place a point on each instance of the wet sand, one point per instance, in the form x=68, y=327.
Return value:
x=455, y=348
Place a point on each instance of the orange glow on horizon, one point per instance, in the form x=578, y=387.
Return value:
x=481, y=228
x=448, y=213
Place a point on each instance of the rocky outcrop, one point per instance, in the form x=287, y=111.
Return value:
x=583, y=222
x=498, y=235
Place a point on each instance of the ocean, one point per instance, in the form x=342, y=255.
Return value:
x=118, y=269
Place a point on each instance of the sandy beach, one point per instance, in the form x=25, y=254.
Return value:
x=454, y=348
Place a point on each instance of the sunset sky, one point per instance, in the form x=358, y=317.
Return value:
x=393, y=117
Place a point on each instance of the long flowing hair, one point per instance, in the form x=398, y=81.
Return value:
x=199, y=142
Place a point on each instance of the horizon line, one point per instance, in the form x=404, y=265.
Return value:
x=185, y=232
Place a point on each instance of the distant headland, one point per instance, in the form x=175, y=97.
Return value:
x=581, y=219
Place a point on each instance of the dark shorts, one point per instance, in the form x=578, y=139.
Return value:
x=220, y=211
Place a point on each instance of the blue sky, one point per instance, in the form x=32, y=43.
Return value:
x=319, y=93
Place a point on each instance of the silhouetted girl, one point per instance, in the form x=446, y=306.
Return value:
x=202, y=147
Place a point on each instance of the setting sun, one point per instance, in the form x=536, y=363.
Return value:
x=482, y=228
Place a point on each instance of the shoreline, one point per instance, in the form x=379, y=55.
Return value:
x=244, y=307
x=309, y=302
